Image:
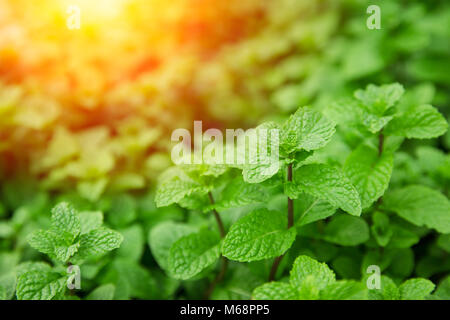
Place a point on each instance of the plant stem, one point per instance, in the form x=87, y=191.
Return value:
x=277, y=260
x=223, y=268
x=217, y=216
x=290, y=201
x=380, y=143
x=274, y=268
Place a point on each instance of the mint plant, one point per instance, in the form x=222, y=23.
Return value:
x=343, y=205
x=99, y=140
x=311, y=280
x=72, y=238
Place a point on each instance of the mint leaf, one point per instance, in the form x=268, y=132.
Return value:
x=421, y=206
x=421, y=122
x=402, y=238
x=388, y=290
x=177, y=186
x=381, y=229
x=132, y=246
x=275, y=291
x=443, y=289
x=45, y=241
x=369, y=173
x=123, y=210
x=329, y=184
x=40, y=285
x=238, y=193
x=130, y=279
x=344, y=290
x=65, y=220
x=7, y=286
x=90, y=220
x=104, y=292
x=52, y=244
x=191, y=254
x=309, y=272
x=378, y=99
x=63, y=253
x=309, y=209
x=262, y=234
x=374, y=123
x=163, y=236
x=307, y=130
x=99, y=241
x=2, y=293
x=443, y=242
x=346, y=230
x=310, y=277
x=262, y=159
x=416, y=289
x=32, y=266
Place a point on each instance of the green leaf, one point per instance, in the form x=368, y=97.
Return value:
x=65, y=220
x=374, y=123
x=421, y=122
x=175, y=187
x=32, y=266
x=421, y=206
x=275, y=291
x=416, y=289
x=346, y=230
x=344, y=290
x=92, y=189
x=307, y=272
x=239, y=283
x=2, y=293
x=130, y=279
x=239, y=193
x=307, y=130
x=196, y=201
x=443, y=242
x=123, y=210
x=104, y=292
x=402, y=263
x=99, y=241
x=261, y=155
x=378, y=99
x=7, y=286
x=369, y=173
x=163, y=236
x=40, y=285
x=8, y=261
x=362, y=58
x=90, y=220
x=193, y=253
x=52, y=244
x=309, y=209
x=262, y=234
x=64, y=253
x=132, y=246
x=388, y=290
x=329, y=184
x=6, y=230
x=402, y=238
x=381, y=228
x=443, y=289
x=45, y=241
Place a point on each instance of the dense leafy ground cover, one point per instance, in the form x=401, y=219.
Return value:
x=362, y=180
